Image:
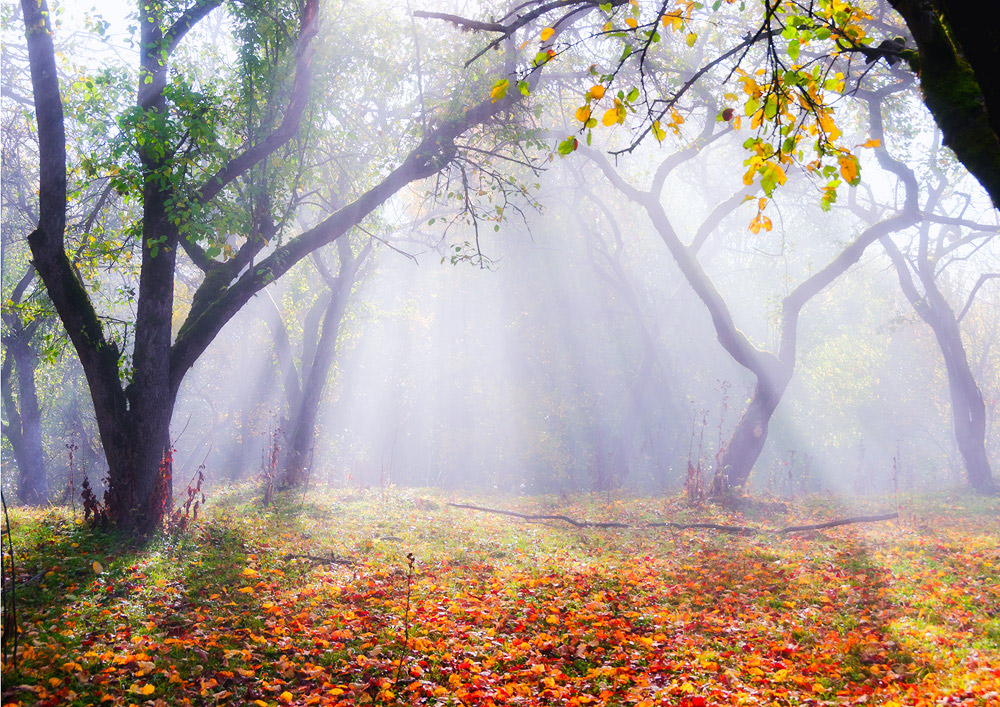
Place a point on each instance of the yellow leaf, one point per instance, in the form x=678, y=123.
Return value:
x=630, y=21
x=285, y=696
x=552, y=619
x=610, y=117
x=98, y=567
x=499, y=90
x=658, y=132
x=597, y=92
x=260, y=703
x=691, y=39
x=848, y=168
x=872, y=143
x=249, y=572
x=583, y=114
x=246, y=590
x=547, y=33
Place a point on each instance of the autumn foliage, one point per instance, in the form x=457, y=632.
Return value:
x=248, y=608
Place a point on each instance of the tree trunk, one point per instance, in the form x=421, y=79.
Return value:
x=134, y=423
x=747, y=441
x=969, y=414
x=962, y=96
x=24, y=429
x=316, y=373
x=967, y=407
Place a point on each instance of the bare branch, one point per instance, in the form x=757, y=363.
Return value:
x=293, y=114
x=972, y=295
x=186, y=21
x=462, y=22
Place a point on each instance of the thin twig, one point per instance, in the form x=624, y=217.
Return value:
x=406, y=616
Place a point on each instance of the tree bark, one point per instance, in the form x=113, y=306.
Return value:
x=957, y=47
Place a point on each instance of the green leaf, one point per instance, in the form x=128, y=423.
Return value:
x=771, y=107
x=567, y=146
x=633, y=95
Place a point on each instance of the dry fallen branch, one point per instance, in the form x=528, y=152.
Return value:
x=333, y=560
x=735, y=529
x=532, y=518
x=835, y=523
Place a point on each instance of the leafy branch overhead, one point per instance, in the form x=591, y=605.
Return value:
x=788, y=77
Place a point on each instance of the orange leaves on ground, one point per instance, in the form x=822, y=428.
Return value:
x=579, y=618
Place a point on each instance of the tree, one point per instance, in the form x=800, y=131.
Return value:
x=957, y=55
x=304, y=386
x=181, y=174
x=23, y=428
x=772, y=371
x=920, y=272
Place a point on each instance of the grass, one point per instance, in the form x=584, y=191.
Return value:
x=506, y=612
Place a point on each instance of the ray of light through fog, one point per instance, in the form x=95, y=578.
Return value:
x=575, y=356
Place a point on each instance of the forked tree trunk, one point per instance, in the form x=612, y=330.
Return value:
x=967, y=407
x=771, y=370
x=318, y=355
x=134, y=421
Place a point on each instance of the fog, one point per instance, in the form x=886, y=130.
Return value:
x=519, y=322
x=575, y=358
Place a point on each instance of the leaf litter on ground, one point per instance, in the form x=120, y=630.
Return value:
x=244, y=609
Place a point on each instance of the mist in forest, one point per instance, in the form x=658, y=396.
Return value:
x=571, y=356
x=556, y=337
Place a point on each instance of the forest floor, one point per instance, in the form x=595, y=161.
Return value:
x=246, y=608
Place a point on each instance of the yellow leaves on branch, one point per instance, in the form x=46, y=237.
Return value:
x=614, y=115
x=849, y=168
x=596, y=92
x=583, y=114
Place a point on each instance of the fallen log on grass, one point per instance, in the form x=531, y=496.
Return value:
x=735, y=529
